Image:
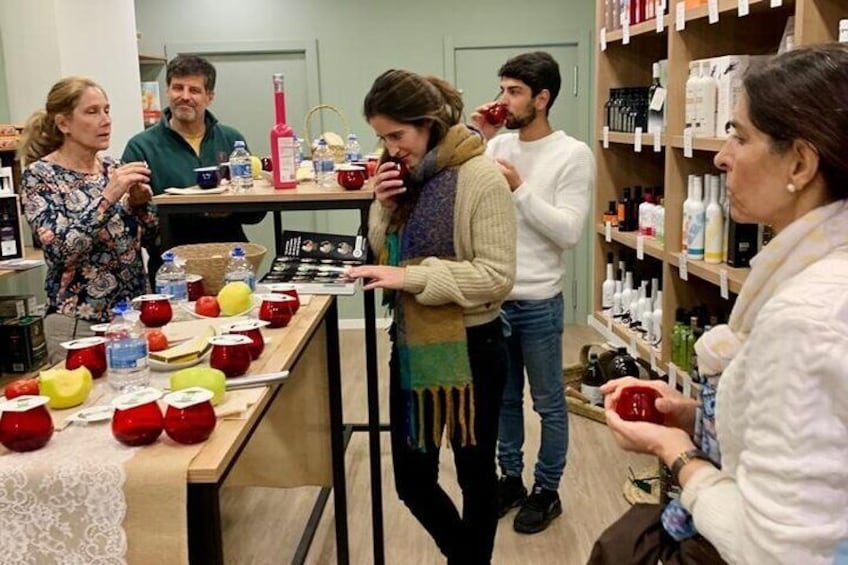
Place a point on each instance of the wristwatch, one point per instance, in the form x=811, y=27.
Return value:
x=685, y=458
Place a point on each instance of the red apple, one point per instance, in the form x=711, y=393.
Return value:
x=207, y=306
x=21, y=387
x=156, y=340
x=267, y=164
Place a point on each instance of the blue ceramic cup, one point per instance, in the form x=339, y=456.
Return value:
x=207, y=177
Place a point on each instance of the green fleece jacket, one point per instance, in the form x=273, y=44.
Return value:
x=172, y=162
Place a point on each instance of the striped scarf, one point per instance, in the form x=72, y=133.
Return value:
x=435, y=372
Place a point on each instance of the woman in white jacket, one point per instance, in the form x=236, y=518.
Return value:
x=780, y=493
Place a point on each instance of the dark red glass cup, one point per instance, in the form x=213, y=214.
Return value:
x=351, y=177
x=25, y=423
x=155, y=310
x=288, y=289
x=230, y=354
x=496, y=114
x=89, y=352
x=276, y=309
x=137, y=419
x=189, y=417
x=638, y=404
x=251, y=329
x=194, y=286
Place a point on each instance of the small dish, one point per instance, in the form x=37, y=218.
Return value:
x=93, y=414
x=196, y=190
x=189, y=307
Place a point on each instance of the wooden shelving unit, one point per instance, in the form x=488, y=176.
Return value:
x=619, y=165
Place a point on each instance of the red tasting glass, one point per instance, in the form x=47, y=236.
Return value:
x=155, y=310
x=189, y=417
x=89, y=352
x=138, y=418
x=230, y=354
x=351, y=177
x=637, y=404
x=25, y=423
x=194, y=285
x=252, y=330
x=276, y=309
x=290, y=290
x=496, y=114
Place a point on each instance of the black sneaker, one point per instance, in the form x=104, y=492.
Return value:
x=511, y=494
x=536, y=514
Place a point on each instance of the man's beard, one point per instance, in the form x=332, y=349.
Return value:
x=518, y=122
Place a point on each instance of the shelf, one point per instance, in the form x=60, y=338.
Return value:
x=648, y=26
x=712, y=273
x=652, y=246
x=628, y=337
x=151, y=60
x=630, y=138
x=728, y=7
x=712, y=144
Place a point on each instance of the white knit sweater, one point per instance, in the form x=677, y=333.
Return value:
x=558, y=174
x=782, y=423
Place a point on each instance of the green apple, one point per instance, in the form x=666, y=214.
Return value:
x=206, y=377
x=65, y=388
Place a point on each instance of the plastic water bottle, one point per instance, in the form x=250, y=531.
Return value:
x=299, y=148
x=240, y=269
x=171, y=278
x=353, y=151
x=324, y=165
x=241, y=173
x=126, y=350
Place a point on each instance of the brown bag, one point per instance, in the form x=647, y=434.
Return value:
x=638, y=538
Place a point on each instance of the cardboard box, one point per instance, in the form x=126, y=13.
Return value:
x=151, y=107
x=22, y=344
x=18, y=306
x=11, y=229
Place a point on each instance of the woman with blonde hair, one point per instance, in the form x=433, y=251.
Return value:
x=90, y=213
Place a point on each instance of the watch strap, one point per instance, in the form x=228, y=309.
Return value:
x=681, y=460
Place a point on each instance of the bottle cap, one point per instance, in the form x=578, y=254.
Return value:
x=121, y=307
x=239, y=144
x=238, y=251
x=168, y=256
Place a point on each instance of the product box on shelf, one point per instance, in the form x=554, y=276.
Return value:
x=11, y=242
x=728, y=72
x=741, y=243
x=17, y=306
x=151, y=106
x=7, y=181
x=22, y=344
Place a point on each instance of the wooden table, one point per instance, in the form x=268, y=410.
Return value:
x=309, y=196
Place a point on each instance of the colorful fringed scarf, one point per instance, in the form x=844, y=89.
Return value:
x=431, y=340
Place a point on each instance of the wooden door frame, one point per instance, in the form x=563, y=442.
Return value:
x=570, y=37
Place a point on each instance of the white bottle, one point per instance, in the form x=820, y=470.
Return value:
x=687, y=204
x=240, y=269
x=695, y=238
x=616, y=301
x=241, y=170
x=691, y=108
x=608, y=287
x=634, y=305
x=171, y=278
x=659, y=222
x=843, y=31
x=643, y=302
x=126, y=350
x=707, y=102
x=715, y=224
x=324, y=165
x=646, y=214
x=627, y=294
x=656, y=320
x=724, y=202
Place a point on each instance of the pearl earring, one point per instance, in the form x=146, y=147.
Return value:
x=791, y=187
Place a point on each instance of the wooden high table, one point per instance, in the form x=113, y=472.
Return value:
x=309, y=196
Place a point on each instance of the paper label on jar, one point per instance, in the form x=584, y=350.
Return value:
x=135, y=398
x=188, y=397
x=23, y=403
x=230, y=339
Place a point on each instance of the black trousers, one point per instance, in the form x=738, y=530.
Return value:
x=468, y=539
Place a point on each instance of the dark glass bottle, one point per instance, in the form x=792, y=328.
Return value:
x=623, y=365
x=590, y=387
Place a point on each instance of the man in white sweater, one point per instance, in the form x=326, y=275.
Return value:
x=551, y=176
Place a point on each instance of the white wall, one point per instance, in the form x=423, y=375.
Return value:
x=45, y=40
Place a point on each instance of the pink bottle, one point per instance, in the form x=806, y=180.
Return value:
x=283, y=145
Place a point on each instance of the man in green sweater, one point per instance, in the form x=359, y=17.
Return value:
x=188, y=136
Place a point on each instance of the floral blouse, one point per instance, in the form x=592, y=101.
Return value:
x=92, y=248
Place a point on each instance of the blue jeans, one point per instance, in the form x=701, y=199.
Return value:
x=534, y=343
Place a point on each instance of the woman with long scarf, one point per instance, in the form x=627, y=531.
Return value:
x=445, y=235
x=778, y=490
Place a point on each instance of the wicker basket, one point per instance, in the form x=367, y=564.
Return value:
x=210, y=260
x=335, y=142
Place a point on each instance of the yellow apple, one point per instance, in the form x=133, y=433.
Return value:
x=65, y=388
x=235, y=298
x=256, y=167
x=206, y=377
